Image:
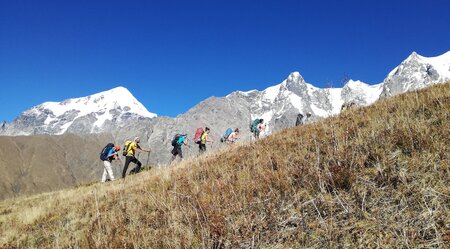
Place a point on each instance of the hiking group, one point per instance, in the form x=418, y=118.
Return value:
x=201, y=137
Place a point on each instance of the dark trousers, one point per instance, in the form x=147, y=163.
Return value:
x=177, y=151
x=128, y=160
x=202, y=148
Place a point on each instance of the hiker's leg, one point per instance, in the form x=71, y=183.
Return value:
x=202, y=148
x=137, y=168
x=174, y=154
x=180, y=152
x=128, y=159
x=109, y=170
x=105, y=173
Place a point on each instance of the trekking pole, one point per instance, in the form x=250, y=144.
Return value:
x=148, y=156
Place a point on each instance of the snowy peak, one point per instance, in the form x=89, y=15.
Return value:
x=294, y=82
x=118, y=98
x=417, y=72
x=91, y=114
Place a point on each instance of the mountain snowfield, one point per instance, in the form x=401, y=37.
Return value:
x=300, y=97
x=278, y=105
x=56, y=118
x=417, y=72
x=103, y=103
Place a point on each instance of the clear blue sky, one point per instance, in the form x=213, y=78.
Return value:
x=173, y=54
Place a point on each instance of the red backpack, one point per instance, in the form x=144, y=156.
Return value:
x=198, y=135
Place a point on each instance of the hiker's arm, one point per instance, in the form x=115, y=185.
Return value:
x=145, y=150
x=113, y=154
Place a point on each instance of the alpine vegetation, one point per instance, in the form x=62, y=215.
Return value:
x=375, y=177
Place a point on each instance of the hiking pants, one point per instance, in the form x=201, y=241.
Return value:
x=177, y=151
x=107, y=170
x=202, y=148
x=128, y=160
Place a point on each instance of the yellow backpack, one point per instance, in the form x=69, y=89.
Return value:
x=126, y=148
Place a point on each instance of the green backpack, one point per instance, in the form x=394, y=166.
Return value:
x=254, y=125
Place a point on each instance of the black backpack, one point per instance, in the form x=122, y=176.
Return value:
x=299, y=120
x=175, y=139
x=105, y=151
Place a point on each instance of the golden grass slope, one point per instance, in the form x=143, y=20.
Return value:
x=35, y=164
x=375, y=177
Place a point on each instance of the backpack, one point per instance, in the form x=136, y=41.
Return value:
x=254, y=125
x=226, y=135
x=299, y=120
x=175, y=139
x=126, y=147
x=105, y=151
x=198, y=135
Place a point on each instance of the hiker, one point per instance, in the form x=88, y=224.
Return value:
x=130, y=150
x=233, y=136
x=177, y=142
x=302, y=119
x=261, y=128
x=255, y=127
x=347, y=106
x=204, y=139
x=113, y=154
x=299, y=120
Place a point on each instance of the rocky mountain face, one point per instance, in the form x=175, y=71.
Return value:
x=96, y=113
x=417, y=72
x=121, y=117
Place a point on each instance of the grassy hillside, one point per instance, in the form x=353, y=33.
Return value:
x=376, y=177
x=35, y=164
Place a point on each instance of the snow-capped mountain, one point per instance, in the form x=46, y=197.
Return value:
x=417, y=72
x=279, y=105
x=118, y=112
x=91, y=114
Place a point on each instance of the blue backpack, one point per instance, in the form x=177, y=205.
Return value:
x=226, y=135
x=105, y=151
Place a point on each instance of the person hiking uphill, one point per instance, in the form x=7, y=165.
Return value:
x=257, y=126
x=177, y=142
x=233, y=136
x=302, y=119
x=131, y=151
x=204, y=139
x=111, y=155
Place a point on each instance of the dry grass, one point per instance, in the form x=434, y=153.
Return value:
x=375, y=177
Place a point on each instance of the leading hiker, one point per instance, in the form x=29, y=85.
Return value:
x=131, y=149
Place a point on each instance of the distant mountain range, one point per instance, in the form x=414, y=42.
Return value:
x=112, y=110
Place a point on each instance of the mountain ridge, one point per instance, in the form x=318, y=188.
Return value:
x=291, y=96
